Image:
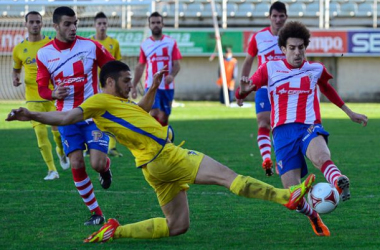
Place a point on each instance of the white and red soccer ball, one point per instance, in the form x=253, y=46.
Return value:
x=323, y=198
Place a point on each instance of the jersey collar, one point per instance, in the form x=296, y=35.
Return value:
x=290, y=66
x=62, y=45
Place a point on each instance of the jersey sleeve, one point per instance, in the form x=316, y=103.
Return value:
x=260, y=77
x=252, y=46
x=117, y=51
x=93, y=106
x=176, y=54
x=328, y=90
x=142, y=58
x=102, y=55
x=43, y=80
x=17, y=63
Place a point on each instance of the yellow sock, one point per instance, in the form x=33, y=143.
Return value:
x=147, y=229
x=58, y=141
x=252, y=188
x=112, y=143
x=45, y=146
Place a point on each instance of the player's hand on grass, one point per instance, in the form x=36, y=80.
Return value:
x=240, y=102
x=60, y=92
x=20, y=114
x=157, y=78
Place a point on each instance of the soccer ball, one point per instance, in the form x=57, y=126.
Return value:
x=323, y=198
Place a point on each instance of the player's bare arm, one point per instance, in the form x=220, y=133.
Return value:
x=16, y=75
x=136, y=78
x=247, y=65
x=355, y=117
x=175, y=69
x=147, y=100
x=51, y=118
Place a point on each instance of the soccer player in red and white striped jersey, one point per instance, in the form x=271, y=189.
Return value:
x=263, y=44
x=71, y=64
x=295, y=116
x=156, y=52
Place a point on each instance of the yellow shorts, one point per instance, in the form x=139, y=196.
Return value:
x=40, y=107
x=172, y=171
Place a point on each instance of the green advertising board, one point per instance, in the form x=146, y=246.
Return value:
x=190, y=42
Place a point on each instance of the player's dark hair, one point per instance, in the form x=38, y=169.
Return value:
x=100, y=15
x=32, y=13
x=279, y=6
x=62, y=11
x=155, y=14
x=293, y=29
x=112, y=69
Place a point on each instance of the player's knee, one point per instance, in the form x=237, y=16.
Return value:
x=98, y=163
x=77, y=163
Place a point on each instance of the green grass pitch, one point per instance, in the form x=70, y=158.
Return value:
x=38, y=214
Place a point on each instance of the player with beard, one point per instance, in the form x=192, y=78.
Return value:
x=157, y=52
x=71, y=64
x=168, y=168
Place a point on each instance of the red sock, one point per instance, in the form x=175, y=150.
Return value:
x=84, y=186
x=304, y=208
x=330, y=171
x=263, y=140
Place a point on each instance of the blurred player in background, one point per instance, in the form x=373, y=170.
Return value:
x=264, y=45
x=24, y=55
x=231, y=68
x=166, y=167
x=71, y=63
x=293, y=85
x=112, y=45
x=158, y=51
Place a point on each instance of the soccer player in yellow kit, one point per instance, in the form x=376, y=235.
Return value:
x=112, y=45
x=166, y=167
x=24, y=55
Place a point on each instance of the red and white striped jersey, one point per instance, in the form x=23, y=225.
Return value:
x=157, y=54
x=293, y=92
x=76, y=67
x=263, y=44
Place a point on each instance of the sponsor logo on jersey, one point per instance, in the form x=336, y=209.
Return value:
x=53, y=60
x=283, y=91
x=29, y=60
x=25, y=50
x=70, y=80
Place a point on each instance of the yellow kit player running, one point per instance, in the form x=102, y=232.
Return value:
x=166, y=167
x=24, y=55
x=112, y=45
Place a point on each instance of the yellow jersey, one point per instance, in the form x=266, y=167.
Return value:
x=24, y=54
x=112, y=45
x=132, y=126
